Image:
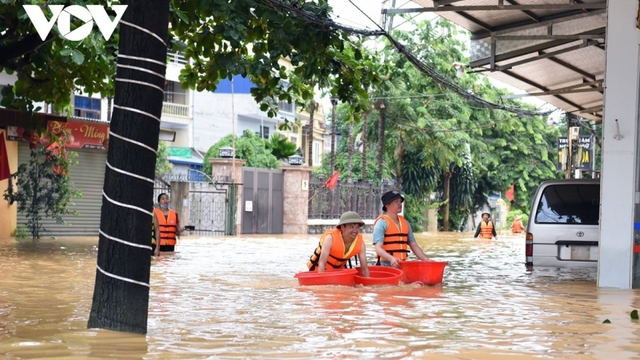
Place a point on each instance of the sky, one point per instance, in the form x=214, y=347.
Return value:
x=346, y=13
x=354, y=12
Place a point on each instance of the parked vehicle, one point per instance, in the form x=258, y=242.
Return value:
x=563, y=228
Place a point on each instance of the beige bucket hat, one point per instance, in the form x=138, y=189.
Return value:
x=350, y=217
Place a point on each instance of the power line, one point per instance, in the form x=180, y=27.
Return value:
x=422, y=66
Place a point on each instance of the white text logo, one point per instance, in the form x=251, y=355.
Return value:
x=88, y=15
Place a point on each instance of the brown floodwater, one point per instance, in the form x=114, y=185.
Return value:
x=236, y=297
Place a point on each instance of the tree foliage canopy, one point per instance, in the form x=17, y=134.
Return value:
x=51, y=70
x=250, y=147
x=220, y=38
x=251, y=37
x=436, y=139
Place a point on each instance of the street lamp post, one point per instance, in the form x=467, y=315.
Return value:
x=296, y=160
x=226, y=152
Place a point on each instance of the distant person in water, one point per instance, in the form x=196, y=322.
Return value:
x=486, y=229
x=166, y=225
x=516, y=225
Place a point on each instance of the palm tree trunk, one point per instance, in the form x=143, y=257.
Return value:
x=399, y=153
x=364, y=147
x=447, y=191
x=334, y=102
x=350, y=152
x=381, y=129
x=121, y=293
x=312, y=110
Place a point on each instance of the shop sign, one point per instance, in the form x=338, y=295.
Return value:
x=78, y=135
x=581, y=150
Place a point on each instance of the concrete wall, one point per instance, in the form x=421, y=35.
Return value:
x=619, y=189
x=296, y=199
x=212, y=113
x=8, y=213
x=180, y=192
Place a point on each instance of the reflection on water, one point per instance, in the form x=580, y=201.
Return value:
x=237, y=298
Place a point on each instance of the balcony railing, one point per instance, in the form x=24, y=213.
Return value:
x=176, y=109
x=177, y=58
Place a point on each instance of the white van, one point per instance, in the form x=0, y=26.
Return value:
x=563, y=228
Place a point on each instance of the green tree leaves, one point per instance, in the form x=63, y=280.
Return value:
x=49, y=71
x=162, y=159
x=249, y=147
x=280, y=146
x=43, y=187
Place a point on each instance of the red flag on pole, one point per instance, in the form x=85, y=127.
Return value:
x=5, y=173
x=333, y=180
x=510, y=194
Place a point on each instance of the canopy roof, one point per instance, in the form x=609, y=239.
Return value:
x=552, y=49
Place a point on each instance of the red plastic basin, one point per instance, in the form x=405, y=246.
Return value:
x=333, y=277
x=426, y=272
x=378, y=268
x=378, y=278
x=379, y=275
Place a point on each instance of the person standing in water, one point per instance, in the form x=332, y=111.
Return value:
x=392, y=234
x=486, y=229
x=516, y=225
x=166, y=225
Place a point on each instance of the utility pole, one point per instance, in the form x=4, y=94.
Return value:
x=569, y=155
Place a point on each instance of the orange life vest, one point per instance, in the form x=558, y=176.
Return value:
x=396, y=239
x=338, y=255
x=486, y=229
x=168, y=227
x=516, y=226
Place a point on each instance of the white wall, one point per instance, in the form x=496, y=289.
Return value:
x=619, y=149
x=212, y=116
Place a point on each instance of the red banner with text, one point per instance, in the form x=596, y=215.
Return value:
x=78, y=135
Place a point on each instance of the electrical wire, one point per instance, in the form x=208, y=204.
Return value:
x=425, y=68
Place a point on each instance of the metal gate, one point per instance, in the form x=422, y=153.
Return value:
x=160, y=186
x=210, y=210
x=212, y=206
x=262, y=201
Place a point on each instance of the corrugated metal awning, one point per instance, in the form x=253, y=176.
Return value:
x=552, y=49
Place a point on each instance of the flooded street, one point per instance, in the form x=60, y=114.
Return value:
x=236, y=297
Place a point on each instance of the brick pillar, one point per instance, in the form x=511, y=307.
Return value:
x=432, y=220
x=296, y=199
x=179, y=193
x=8, y=213
x=226, y=171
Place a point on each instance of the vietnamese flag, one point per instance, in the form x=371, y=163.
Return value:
x=5, y=173
x=510, y=194
x=333, y=180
